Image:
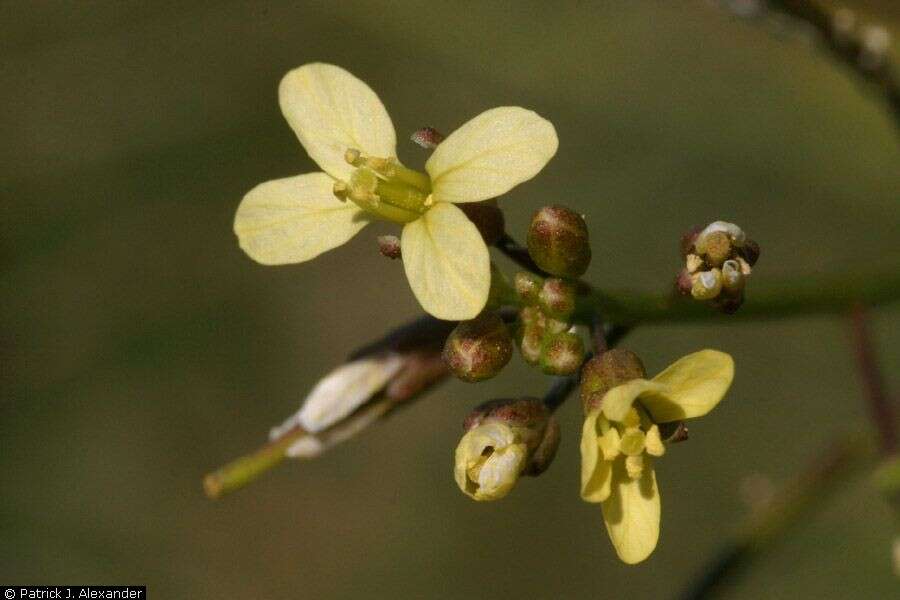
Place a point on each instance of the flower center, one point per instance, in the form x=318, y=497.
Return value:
x=632, y=438
x=385, y=188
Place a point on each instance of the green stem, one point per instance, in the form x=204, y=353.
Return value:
x=795, y=298
x=242, y=471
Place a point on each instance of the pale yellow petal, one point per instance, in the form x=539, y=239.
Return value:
x=331, y=110
x=694, y=385
x=595, y=472
x=491, y=154
x=488, y=461
x=632, y=512
x=447, y=263
x=617, y=401
x=294, y=219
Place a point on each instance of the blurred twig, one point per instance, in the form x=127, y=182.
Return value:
x=792, y=504
x=881, y=408
x=866, y=51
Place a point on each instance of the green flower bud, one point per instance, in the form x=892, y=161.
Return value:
x=604, y=372
x=558, y=241
x=530, y=342
x=557, y=298
x=562, y=354
x=478, y=349
x=528, y=286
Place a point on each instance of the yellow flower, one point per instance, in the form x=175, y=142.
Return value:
x=504, y=439
x=346, y=130
x=621, y=439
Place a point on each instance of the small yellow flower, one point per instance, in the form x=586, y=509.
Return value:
x=504, y=440
x=621, y=439
x=345, y=128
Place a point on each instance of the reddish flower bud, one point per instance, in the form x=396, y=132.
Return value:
x=558, y=242
x=478, y=349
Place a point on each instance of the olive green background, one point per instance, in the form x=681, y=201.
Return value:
x=142, y=348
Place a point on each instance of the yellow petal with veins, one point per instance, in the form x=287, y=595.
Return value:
x=295, y=219
x=331, y=111
x=447, y=263
x=491, y=154
x=617, y=402
x=694, y=385
x=632, y=512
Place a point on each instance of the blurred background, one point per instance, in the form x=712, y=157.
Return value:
x=142, y=348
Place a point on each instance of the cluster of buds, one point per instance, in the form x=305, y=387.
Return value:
x=504, y=439
x=718, y=260
x=558, y=244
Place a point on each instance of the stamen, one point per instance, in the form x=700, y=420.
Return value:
x=634, y=465
x=609, y=444
x=653, y=443
x=341, y=190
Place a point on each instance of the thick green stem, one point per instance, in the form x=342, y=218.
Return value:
x=795, y=298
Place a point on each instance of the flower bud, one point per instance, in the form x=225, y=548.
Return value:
x=749, y=252
x=604, y=372
x=530, y=333
x=427, y=137
x=717, y=248
x=389, y=246
x=557, y=298
x=504, y=439
x=374, y=381
x=558, y=242
x=487, y=217
x=684, y=283
x=562, y=354
x=686, y=244
x=478, y=349
x=707, y=284
x=732, y=277
x=528, y=286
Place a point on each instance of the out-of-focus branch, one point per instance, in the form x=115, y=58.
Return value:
x=792, y=504
x=882, y=410
x=517, y=253
x=832, y=295
x=866, y=51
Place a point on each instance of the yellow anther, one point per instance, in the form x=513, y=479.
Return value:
x=609, y=444
x=634, y=465
x=653, y=443
x=352, y=156
x=340, y=190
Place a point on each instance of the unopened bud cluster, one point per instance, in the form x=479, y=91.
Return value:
x=558, y=244
x=718, y=260
x=504, y=439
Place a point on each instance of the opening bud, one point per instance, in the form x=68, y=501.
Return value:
x=706, y=284
x=604, y=372
x=478, y=349
x=558, y=241
x=504, y=439
x=557, y=298
x=562, y=354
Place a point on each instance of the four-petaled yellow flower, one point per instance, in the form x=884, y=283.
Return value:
x=621, y=438
x=346, y=130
